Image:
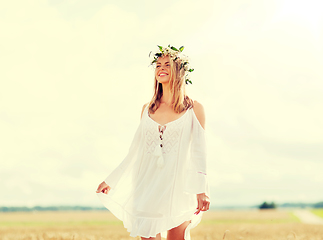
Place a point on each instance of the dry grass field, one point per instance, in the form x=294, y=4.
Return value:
x=229, y=225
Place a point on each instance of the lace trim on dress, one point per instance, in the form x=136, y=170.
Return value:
x=167, y=140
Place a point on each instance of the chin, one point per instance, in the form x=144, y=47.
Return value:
x=163, y=80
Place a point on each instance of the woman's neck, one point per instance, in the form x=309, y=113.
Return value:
x=167, y=97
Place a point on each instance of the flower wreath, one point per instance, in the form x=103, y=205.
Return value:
x=176, y=55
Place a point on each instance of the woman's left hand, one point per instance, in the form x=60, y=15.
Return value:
x=203, y=203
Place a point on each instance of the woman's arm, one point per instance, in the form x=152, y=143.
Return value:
x=203, y=201
x=143, y=109
x=104, y=187
x=199, y=113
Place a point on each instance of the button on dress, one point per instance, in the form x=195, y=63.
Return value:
x=154, y=188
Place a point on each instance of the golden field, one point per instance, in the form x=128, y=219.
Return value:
x=101, y=225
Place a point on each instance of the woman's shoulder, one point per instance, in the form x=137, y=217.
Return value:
x=199, y=113
x=143, y=109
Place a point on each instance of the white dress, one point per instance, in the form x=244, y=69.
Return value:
x=154, y=188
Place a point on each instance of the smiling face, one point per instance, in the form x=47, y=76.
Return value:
x=162, y=71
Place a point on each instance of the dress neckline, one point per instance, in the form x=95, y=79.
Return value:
x=168, y=122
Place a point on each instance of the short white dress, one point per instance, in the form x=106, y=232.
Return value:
x=154, y=188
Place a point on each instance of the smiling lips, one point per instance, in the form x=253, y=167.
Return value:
x=162, y=74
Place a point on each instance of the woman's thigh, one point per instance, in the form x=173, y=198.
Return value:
x=177, y=233
x=158, y=237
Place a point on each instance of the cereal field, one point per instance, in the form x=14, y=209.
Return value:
x=101, y=225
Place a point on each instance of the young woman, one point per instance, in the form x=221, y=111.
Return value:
x=161, y=186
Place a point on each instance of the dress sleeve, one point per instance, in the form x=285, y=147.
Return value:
x=197, y=181
x=126, y=165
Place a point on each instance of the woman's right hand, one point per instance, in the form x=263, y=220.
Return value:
x=104, y=188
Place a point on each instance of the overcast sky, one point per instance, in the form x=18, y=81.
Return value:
x=74, y=75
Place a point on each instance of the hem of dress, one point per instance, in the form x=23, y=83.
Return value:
x=187, y=216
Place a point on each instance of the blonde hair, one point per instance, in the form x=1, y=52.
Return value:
x=177, y=88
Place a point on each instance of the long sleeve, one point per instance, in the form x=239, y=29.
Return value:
x=197, y=181
x=126, y=165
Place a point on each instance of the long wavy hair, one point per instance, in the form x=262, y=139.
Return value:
x=177, y=88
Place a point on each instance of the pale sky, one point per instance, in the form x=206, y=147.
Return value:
x=74, y=75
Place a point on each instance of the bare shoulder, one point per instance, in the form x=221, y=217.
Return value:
x=199, y=113
x=143, y=108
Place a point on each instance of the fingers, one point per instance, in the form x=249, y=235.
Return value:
x=203, y=203
x=100, y=188
x=206, y=206
x=104, y=188
x=108, y=189
x=199, y=206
